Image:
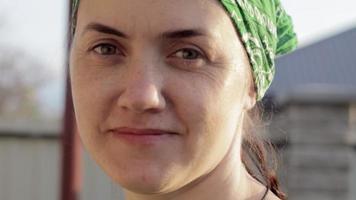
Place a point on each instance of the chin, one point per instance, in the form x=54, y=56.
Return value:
x=141, y=172
x=142, y=182
x=138, y=176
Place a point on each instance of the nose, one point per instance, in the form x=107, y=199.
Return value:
x=142, y=91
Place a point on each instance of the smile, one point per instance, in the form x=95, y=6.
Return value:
x=142, y=136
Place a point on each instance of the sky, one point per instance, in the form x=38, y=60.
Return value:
x=39, y=27
x=318, y=19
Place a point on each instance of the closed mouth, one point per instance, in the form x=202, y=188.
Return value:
x=143, y=132
x=143, y=136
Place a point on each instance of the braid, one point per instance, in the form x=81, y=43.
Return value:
x=258, y=154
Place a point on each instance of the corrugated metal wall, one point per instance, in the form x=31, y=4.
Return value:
x=96, y=184
x=29, y=168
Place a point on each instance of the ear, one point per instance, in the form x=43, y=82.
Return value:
x=251, y=96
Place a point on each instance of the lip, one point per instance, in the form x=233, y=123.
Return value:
x=142, y=136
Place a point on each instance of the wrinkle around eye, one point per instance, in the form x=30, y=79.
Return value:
x=186, y=63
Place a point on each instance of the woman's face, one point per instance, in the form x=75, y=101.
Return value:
x=159, y=88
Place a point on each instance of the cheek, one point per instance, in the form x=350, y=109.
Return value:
x=206, y=100
x=210, y=111
x=91, y=99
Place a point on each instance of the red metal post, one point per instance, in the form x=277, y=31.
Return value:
x=71, y=154
x=71, y=149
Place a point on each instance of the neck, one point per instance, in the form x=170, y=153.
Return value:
x=229, y=181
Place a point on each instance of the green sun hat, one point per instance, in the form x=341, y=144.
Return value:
x=266, y=31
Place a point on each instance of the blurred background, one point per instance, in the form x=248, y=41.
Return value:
x=311, y=105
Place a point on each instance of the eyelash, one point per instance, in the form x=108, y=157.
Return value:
x=108, y=45
x=177, y=58
x=190, y=50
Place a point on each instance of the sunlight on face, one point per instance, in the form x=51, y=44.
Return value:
x=159, y=88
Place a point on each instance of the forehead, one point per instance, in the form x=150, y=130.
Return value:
x=153, y=15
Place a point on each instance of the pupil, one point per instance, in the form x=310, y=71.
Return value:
x=107, y=49
x=189, y=54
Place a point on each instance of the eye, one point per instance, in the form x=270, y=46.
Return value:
x=187, y=58
x=106, y=49
x=188, y=54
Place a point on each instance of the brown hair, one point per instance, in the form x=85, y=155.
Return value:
x=258, y=154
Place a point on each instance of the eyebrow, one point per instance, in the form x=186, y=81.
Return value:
x=103, y=29
x=186, y=33
x=175, y=34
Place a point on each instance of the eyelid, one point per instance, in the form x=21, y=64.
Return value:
x=180, y=62
x=104, y=44
x=179, y=48
x=107, y=42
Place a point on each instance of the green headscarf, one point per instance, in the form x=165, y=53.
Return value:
x=265, y=29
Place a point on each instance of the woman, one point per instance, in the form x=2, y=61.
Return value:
x=163, y=90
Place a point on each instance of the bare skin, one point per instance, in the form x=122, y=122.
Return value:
x=160, y=90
